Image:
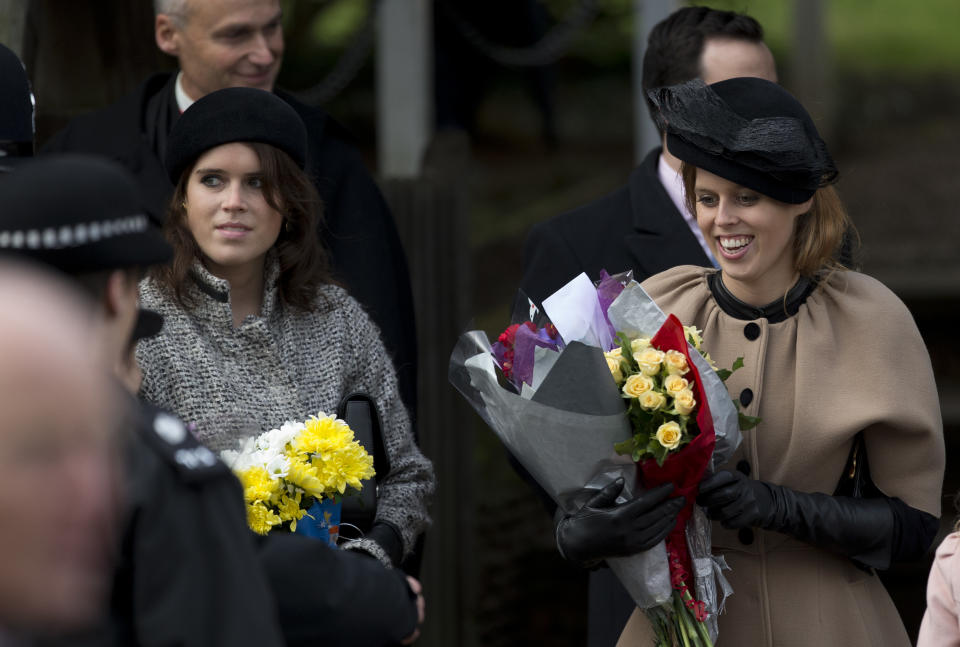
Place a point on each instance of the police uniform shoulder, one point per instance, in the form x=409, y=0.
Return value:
x=166, y=435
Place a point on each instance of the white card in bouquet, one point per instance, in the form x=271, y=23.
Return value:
x=575, y=310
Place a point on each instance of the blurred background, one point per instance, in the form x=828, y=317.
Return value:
x=483, y=118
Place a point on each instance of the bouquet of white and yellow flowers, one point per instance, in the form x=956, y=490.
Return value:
x=285, y=471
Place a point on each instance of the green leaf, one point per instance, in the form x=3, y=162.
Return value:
x=724, y=373
x=737, y=364
x=747, y=422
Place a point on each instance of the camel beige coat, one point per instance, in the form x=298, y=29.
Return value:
x=851, y=359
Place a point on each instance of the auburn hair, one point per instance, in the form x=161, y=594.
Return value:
x=304, y=263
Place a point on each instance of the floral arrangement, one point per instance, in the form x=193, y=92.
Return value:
x=668, y=411
x=666, y=407
x=283, y=471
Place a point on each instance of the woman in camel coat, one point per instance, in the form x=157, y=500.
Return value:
x=832, y=361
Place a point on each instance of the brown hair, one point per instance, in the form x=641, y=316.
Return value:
x=818, y=234
x=304, y=264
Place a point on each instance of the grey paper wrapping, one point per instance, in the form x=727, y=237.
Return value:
x=564, y=450
x=565, y=432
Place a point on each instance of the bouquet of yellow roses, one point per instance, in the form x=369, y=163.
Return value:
x=561, y=415
x=286, y=471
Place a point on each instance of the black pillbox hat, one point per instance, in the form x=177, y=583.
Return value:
x=749, y=131
x=234, y=115
x=77, y=213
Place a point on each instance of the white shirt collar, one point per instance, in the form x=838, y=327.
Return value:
x=673, y=184
x=183, y=101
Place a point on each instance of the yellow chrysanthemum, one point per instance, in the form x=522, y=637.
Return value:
x=258, y=485
x=322, y=435
x=261, y=519
x=347, y=466
x=290, y=510
x=307, y=477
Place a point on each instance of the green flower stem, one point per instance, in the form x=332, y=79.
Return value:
x=700, y=627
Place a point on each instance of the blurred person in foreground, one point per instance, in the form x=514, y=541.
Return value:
x=239, y=43
x=190, y=571
x=59, y=461
x=644, y=227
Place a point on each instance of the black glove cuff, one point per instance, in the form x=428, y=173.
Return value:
x=389, y=539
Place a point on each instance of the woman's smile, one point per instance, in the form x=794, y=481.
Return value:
x=733, y=247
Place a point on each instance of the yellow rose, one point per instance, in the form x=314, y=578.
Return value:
x=614, y=352
x=668, y=435
x=676, y=362
x=684, y=402
x=674, y=384
x=637, y=385
x=649, y=360
x=652, y=400
x=614, y=365
x=693, y=336
x=639, y=344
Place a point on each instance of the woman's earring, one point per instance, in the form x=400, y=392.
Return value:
x=289, y=227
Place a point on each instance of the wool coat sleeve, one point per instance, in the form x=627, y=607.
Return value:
x=406, y=490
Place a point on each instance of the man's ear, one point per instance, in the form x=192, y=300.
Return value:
x=167, y=34
x=116, y=293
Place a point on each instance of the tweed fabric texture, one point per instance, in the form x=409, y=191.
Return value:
x=282, y=365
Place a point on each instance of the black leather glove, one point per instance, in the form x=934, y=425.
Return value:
x=863, y=529
x=601, y=529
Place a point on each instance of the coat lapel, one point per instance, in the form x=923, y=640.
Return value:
x=661, y=238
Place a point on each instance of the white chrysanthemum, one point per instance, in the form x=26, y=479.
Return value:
x=276, y=439
x=277, y=466
x=242, y=459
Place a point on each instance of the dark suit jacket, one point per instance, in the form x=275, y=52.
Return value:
x=360, y=233
x=637, y=227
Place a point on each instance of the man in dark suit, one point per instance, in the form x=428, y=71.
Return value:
x=225, y=43
x=642, y=226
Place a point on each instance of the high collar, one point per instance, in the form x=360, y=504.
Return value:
x=213, y=294
x=774, y=312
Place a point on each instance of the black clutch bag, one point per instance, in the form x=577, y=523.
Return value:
x=855, y=481
x=359, y=411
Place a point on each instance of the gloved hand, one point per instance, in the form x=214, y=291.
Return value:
x=601, y=529
x=735, y=500
x=866, y=530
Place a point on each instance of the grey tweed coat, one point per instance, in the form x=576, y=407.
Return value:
x=283, y=365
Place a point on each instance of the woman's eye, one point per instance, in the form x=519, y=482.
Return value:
x=747, y=199
x=255, y=182
x=210, y=180
x=707, y=200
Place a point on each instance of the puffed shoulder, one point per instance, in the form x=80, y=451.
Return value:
x=681, y=277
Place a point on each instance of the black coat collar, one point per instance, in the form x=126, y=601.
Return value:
x=661, y=238
x=774, y=312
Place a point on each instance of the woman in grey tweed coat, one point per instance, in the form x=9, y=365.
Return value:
x=255, y=333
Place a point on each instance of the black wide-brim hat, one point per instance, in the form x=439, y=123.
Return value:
x=234, y=115
x=749, y=131
x=77, y=213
